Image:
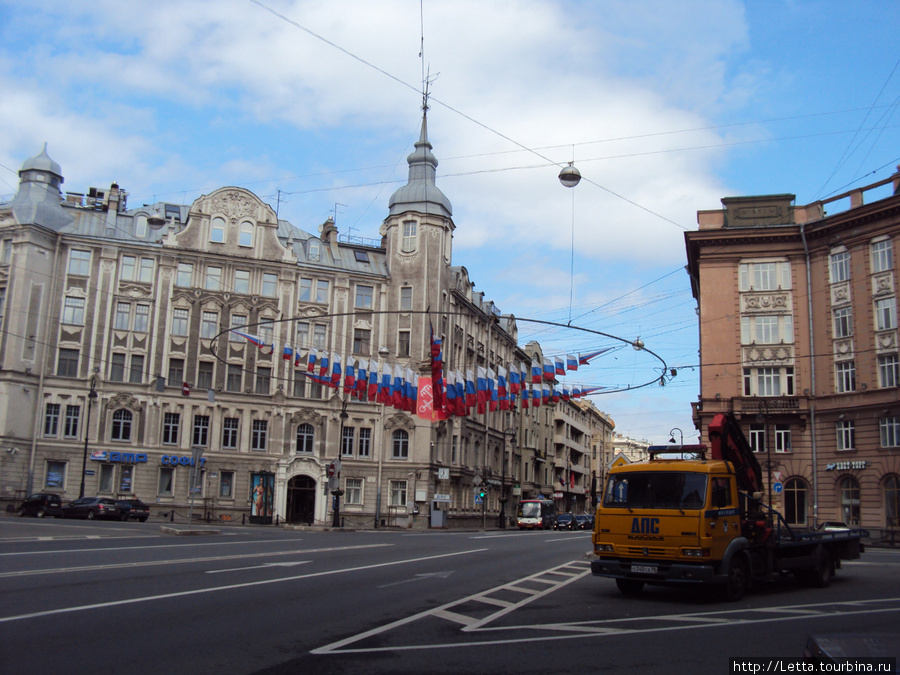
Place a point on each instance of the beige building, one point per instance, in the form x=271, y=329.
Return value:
x=120, y=371
x=798, y=336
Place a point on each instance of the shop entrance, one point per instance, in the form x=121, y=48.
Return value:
x=301, y=500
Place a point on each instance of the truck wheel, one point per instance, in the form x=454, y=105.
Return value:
x=820, y=577
x=738, y=580
x=630, y=586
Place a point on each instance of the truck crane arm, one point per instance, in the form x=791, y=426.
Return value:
x=727, y=442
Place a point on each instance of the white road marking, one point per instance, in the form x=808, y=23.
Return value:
x=156, y=546
x=229, y=587
x=257, y=567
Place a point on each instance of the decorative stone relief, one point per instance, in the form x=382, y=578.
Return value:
x=399, y=421
x=883, y=284
x=773, y=354
x=886, y=340
x=840, y=293
x=123, y=400
x=307, y=415
x=234, y=205
x=766, y=302
x=843, y=350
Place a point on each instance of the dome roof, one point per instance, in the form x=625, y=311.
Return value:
x=420, y=193
x=42, y=162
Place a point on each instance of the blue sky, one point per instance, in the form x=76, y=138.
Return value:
x=664, y=107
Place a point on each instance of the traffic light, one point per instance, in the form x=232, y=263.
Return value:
x=481, y=493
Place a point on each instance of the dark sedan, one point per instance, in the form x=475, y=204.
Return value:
x=564, y=521
x=92, y=508
x=584, y=522
x=133, y=509
x=40, y=505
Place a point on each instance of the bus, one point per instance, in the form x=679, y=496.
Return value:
x=536, y=514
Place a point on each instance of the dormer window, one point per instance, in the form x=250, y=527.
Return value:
x=314, y=249
x=217, y=230
x=246, y=234
x=361, y=256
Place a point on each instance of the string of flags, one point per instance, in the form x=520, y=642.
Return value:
x=462, y=393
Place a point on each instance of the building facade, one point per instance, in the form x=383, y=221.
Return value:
x=125, y=370
x=798, y=336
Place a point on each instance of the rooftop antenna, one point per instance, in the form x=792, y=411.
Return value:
x=334, y=211
x=427, y=78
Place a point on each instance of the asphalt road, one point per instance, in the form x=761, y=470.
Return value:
x=101, y=597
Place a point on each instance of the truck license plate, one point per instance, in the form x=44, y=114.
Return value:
x=644, y=569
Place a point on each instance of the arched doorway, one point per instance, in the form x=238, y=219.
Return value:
x=301, y=500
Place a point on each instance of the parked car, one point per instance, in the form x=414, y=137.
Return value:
x=564, y=521
x=584, y=522
x=91, y=508
x=133, y=509
x=40, y=505
x=833, y=526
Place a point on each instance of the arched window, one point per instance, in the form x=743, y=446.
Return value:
x=849, y=500
x=121, y=425
x=892, y=501
x=795, y=492
x=217, y=230
x=305, y=438
x=400, y=444
x=245, y=238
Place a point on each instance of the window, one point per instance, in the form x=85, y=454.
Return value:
x=406, y=295
x=80, y=262
x=408, y=243
x=888, y=370
x=122, y=319
x=117, y=368
x=180, y=322
x=361, y=256
x=71, y=422
x=106, y=477
x=56, y=475
x=305, y=438
x=849, y=500
x=145, y=273
x=301, y=335
x=51, y=420
x=242, y=281
x=361, y=341
x=846, y=435
x=141, y=318
x=353, y=491
x=889, y=432
x=184, y=277
x=171, y=424
x=166, y=483
x=67, y=363
x=322, y=292
x=73, y=311
x=258, y=435
x=205, y=375
x=121, y=426
x=769, y=381
x=882, y=256
x=234, y=378
x=364, y=295
x=238, y=321
x=127, y=270
x=5, y=251
x=217, y=230
x=398, y=492
x=845, y=376
x=892, y=501
x=320, y=336
x=263, y=380
x=795, y=492
x=230, y=433
x=314, y=248
x=840, y=266
x=348, y=435
x=886, y=314
x=126, y=475
x=200, y=437
x=176, y=372
x=245, y=237
x=400, y=444
x=403, y=343
x=226, y=484
x=365, y=442
x=209, y=325
x=213, y=278
x=782, y=438
x=764, y=276
x=136, y=374
x=267, y=331
x=843, y=322
x=757, y=438
x=305, y=290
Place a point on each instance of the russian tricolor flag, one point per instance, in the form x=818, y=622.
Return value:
x=288, y=352
x=558, y=365
x=514, y=381
x=584, y=359
x=311, y=360
x=349, y=375
x=471, y=391
x=335, y=369
x=323, y=366
x=549, y=370
x=571, y=362
x=535, y=372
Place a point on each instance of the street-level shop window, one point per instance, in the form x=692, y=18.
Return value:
x=51, y=420
x=398, y=492
x=892, y=501
x=849, y=500
x=226, y=485
x=166, y=484
x=258, y=435
x=199, y=478
x=107, y=477
x=353, y=491
x=400, y=444
x=56, y=475
x=121, y=425
x=795, y=493
x=305, y=438
x=126, y=478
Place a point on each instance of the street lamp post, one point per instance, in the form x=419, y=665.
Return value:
x=336, y=521
x=92, y=394
x=509, y=433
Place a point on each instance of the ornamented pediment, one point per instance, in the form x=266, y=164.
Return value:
x=399, y=421
x=307, y=415
x=234, y=205
x=123, y=400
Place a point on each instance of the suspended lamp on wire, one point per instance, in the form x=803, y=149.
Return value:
x=570, y=176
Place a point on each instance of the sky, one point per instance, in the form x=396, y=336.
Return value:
x=664, y=107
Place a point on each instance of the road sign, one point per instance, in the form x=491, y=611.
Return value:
x=777, y=488
x=478, y=499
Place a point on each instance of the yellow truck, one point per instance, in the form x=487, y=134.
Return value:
x=698, y=519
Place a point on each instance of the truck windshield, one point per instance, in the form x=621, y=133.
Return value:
x=656, y=490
